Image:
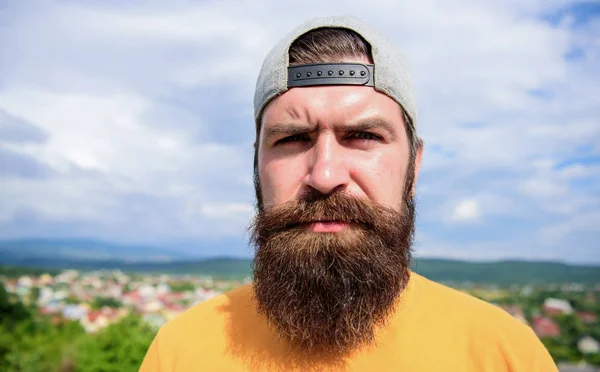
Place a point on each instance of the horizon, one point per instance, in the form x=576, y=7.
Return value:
x=133, y=123
x=191, y=257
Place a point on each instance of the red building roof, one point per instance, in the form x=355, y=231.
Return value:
x=587, y=317
x=545, y=327
x=93, y=315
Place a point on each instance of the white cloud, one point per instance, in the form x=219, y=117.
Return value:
x=566, y=232
x=144, y=114
x=466, y=211
x=543, y=187
x=579, y=171
x=228, y=211
x=487, y=251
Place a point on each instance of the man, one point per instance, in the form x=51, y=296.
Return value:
x=336, y=160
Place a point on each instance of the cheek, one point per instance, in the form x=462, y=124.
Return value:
x=381, y=177
x=280, y=179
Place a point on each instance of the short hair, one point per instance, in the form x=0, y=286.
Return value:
x=328, y=45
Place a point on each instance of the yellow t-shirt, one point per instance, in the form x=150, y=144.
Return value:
x=435, y=328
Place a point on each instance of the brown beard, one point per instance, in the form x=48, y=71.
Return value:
x=330, y=291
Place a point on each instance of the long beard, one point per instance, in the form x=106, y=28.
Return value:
x=330, y=291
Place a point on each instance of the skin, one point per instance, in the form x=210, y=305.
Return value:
x=334, y=138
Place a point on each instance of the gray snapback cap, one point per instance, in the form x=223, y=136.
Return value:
x=390, y=72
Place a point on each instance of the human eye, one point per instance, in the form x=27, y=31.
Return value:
x=292, y=138
x=365, y=136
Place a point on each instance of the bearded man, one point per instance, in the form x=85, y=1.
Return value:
x=336, y=160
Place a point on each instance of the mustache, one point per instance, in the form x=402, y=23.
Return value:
x=317, y=207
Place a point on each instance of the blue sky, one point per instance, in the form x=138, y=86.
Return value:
x=133, y=123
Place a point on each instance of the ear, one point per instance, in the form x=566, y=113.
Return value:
x=418, y=159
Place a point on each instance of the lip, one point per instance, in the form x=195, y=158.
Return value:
x=328, y=226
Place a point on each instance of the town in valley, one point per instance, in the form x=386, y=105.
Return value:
x=563, y=315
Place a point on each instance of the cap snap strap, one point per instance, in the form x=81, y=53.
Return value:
x=331, y=74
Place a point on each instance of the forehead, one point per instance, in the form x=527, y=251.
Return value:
x=332, y=105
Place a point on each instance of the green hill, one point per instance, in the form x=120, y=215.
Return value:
x=506, y=272
x=500, y=272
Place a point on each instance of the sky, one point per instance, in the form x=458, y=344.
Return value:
x=132, y=122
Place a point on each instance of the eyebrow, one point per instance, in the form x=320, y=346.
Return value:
x=289, y=129
x=371, y=124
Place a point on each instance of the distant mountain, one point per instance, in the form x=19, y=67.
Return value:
x=222, y=268
x=36, y=250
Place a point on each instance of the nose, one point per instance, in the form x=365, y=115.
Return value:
x=327, y=169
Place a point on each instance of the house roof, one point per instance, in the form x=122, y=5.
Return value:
x=93, y=315
x=545, y=327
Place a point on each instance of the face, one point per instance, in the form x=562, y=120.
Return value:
x=333, y=138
